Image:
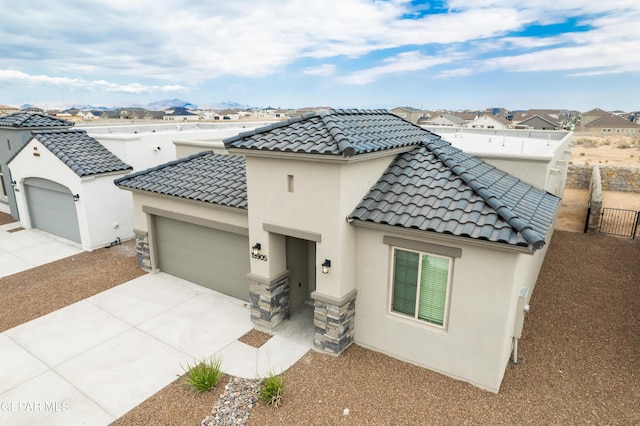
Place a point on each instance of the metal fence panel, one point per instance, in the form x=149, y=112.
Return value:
x=619, y=222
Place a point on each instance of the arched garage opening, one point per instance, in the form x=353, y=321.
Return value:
x=52, y=208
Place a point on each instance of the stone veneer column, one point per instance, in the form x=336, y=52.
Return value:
x=595, y=200
x=333, y=321
x=269, y=300
x=142, y=249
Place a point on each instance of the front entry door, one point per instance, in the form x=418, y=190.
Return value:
x=301, y=255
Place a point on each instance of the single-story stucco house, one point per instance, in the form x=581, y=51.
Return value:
x=403, y=243
x=64, y=185
x=61, y=163
x=15, y=131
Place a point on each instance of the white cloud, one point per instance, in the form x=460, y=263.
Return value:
x=81, y=84
x=183, y=43
x=401, y=63
x=608, y=48
x=323, y=70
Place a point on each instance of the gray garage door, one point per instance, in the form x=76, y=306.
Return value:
x=52, y=209
x=212, y=258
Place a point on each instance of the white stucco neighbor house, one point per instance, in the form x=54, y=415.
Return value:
x=537, y=157
x=401, y=242
x=486, y=121
x=15, y=131
x=63, y=181
x=146, y=145
x=64, y=185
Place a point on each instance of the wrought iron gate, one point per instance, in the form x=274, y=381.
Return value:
x=619, y=222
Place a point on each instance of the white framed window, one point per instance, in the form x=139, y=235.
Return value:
x=420, y=285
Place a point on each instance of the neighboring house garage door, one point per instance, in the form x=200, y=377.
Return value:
x=210, y=257
x=51, y=208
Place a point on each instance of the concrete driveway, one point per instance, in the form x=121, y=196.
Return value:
x=92, y=361
x=30, y=248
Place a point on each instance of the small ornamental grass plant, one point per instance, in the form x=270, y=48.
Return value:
x=205, y=375
x=272, y=389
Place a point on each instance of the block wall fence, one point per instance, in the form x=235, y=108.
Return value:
x=619, y=179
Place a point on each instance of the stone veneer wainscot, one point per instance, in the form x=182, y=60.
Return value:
x=142, y=249
x=269, y=300
x=333, y=321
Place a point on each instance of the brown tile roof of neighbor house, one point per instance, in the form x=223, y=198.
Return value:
x=27, y=119
x=545, y=118
x=439, y=188
x=208, y=177
x=79, y=151
x=336, y=132
x=611, y=120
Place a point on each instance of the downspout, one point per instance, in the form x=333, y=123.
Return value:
x=521, y=310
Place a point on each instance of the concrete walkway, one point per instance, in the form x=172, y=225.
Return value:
x=93, y=361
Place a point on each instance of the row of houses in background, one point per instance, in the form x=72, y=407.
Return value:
x=171, y=114
x=595, y=120
x=178, y=113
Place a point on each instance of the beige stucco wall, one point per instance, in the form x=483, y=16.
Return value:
x=324, y=193
x=548, y=173
x=476, y=345
x=526, y=169
x=141, y=200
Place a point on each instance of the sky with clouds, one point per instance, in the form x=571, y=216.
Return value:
x=574, y=54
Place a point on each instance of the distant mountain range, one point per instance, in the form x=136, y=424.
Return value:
x=168, y=104
x=158, y=106
x=172, y=103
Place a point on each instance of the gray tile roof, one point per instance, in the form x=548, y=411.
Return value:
x=208, y=177
x=439, y=188
x=434, y=187
x=335, y=132
x=32, y=120
x=79, y=151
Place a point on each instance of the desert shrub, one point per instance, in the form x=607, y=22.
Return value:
x=624, y=145
x=272, y=389
x=205, y=375
x=587, y=143
x=582, y=154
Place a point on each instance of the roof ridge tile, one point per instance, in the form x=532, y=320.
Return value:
x=507, y=214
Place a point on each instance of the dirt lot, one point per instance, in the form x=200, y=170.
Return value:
x=573, y=210
x=609, y=150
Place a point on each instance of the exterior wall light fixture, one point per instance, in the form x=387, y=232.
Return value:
x=13, y=183
x=76, y=197
x=326, y=265
x=256, y=252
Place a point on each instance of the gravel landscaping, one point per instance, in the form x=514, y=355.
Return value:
x=579, y=358
x=38, y=291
